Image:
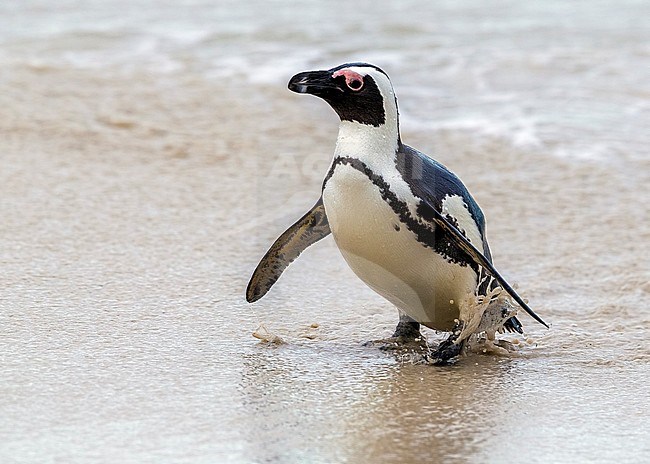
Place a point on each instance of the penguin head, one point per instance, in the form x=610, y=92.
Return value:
x=358, y=92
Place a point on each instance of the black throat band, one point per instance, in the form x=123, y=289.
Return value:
x=426, y=234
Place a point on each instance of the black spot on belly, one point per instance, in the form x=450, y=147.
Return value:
x=396, y=227
x=425, y=232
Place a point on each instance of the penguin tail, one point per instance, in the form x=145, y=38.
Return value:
x=513, y=325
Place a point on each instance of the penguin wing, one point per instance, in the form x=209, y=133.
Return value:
x=431, y=182
x=480, y=259
x=309, y=229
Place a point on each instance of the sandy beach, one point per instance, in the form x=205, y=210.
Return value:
x=137, y=203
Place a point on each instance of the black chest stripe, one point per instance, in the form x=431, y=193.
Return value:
x=428, y=235
x=438, y=238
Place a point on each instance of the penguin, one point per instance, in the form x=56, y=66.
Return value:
x=404, y=223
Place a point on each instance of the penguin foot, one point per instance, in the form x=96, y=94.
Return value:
x=449, y=349
x=407, y=337
x=407, y=329
x=400, y=344
x=446, y=353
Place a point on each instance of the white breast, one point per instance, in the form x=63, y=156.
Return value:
x=387, y=256
x=373, y=241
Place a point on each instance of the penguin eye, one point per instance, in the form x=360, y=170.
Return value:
x=353, y=79
x=355, y=84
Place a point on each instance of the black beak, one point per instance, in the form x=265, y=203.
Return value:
x=319, y=83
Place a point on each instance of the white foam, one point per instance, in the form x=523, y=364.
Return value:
x=580, y=99
x=521, y=132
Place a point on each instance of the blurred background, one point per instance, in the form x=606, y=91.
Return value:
x=150, y=153
x=568, y=78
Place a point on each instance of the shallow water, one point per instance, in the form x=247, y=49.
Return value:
x=150, y=155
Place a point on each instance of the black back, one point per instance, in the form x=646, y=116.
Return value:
x=432, y=182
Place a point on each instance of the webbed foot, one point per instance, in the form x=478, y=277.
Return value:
x=400, y=344
x=407, y=337
x=449, y=349
x=445, y=354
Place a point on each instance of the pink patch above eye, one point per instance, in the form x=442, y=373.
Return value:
x=350, y=77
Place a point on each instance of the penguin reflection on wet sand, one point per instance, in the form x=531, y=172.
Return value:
x=404, y=223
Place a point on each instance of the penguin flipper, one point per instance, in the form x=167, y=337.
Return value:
x=309, y=229
x=481, y=260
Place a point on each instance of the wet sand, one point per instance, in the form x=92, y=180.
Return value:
x=135, y=207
